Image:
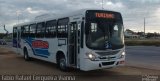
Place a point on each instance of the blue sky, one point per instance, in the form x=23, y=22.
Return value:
x=133, y=11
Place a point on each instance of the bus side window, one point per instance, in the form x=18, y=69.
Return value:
x=62, y=28
x=51, y=28
x=32, y=30
x=24, y=31
x=40, y=30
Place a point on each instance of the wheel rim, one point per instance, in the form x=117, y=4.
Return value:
x=62, y=64
x=25, y=55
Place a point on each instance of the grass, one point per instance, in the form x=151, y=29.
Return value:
x=147, y=42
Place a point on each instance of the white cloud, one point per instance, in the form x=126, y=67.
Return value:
x=156, y=13
x=110, y=5
x=133, y=11
x=31, y=11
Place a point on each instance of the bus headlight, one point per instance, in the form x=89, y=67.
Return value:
x=91, y=56
x=122, y=54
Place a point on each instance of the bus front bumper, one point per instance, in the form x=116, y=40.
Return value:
x=94, y=65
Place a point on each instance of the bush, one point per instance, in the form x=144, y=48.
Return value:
x=142, y=42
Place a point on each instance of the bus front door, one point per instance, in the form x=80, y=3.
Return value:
x=73, y=44
x=16, y=39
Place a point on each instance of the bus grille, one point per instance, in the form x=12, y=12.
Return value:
x=107, y=53
x=108, y=63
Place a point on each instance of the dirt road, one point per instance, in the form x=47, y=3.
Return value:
x=12, y=64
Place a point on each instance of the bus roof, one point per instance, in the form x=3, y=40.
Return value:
x=48, y=17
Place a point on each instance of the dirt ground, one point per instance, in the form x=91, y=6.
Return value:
x=13, y=64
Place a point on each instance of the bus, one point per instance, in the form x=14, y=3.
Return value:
x=87, y=39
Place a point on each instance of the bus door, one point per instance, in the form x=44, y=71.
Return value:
x=73, y=43
x=16, y=39
x=15, y=36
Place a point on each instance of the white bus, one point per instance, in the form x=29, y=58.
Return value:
x=85, y=39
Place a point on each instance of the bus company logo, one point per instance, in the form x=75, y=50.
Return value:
x=105, y=15
x=40, y=44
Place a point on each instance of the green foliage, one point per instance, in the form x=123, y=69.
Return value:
x=1, y=35
x=5, y=37
x=142, y=42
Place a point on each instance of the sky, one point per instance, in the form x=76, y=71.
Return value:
x=133, y=11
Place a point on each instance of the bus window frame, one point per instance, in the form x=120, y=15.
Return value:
x=51, y=25
x=24, y=33
x=40, y=34
x=32, y=34
x=62, y=24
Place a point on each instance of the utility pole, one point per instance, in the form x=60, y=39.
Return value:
x=102, y=5
x=18, y=19
x=144, y=26
x=18, y=13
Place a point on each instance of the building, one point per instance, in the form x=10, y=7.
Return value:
x=130, y=34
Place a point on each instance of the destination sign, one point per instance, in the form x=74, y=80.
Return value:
x=104, y=15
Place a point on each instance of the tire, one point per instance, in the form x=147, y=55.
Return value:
x=62, y=64
x=26, y=56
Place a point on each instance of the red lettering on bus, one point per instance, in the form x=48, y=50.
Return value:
x=104, y=15
x=40, y=44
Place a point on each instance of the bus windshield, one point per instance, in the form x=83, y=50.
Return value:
x=104, y=34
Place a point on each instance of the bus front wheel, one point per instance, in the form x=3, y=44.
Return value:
x=62, y=64
x=26, y=56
